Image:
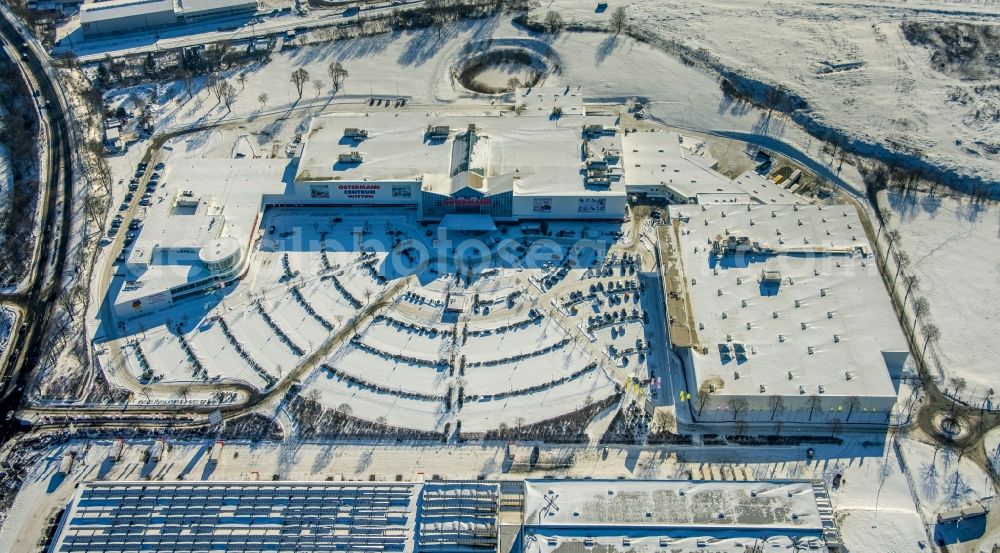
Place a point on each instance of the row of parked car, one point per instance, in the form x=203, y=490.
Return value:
x=146, y=199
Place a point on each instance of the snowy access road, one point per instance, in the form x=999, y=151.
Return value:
x=788, y=150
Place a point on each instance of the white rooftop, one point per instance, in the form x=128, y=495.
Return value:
x=670, y=504
x=829, y=322
x=535, y=155
x=194, y=6
x=657, y=157
x=681, y=163
x=542, y=101
x=202, y=202
x=114, y=9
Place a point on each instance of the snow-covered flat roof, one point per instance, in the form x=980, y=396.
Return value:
x=657, y=157
x=671, y=504
x=542, y=101
x=189, y=7
x=92, y=12
x=680, y=162
x=543, y=155
x=199, y=201
x=828, y=323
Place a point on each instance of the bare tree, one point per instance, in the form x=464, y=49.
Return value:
x=439, y=14
x=777, y=404
x=931, y=334
x=836, y=426
x=299, y=78
x=187, y=80
x=553, y=22
x=902, y=262
x=337, y=75
x=318, y=86
x=704, y=393
x=211, y=82
x=227, y=94
x=618, y=20
x=738, y=406
x=814, y=402
x=262, y=100
x=242, y=79
x=920, y=308
x=664, y=420
x=740, y=426
x=852, y=404
x=911, y=282
x=882, y=222
x=893, y=236
x=959, y=384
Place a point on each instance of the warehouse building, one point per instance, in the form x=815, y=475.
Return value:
x=678, y=169
x=119, y=517
x=789, y=318
x=110, y=17
x=119, y=16
x=193, y=11
x=615, y=516
x=538, y=516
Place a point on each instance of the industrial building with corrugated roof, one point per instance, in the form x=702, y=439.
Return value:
x=109, y=17
x=532, y=516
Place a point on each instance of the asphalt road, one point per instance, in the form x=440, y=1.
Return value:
x=42, y=291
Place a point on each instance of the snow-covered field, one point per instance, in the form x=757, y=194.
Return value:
x=953, y=245
x=419, y=65
x=942, y=480
x=891, y=97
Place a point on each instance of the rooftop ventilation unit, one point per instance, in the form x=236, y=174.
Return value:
x=353, y=156
x=438, y=131
x=356, y=134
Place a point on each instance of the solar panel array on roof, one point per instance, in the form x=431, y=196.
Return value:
x=120, y=517
x=458, y=516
